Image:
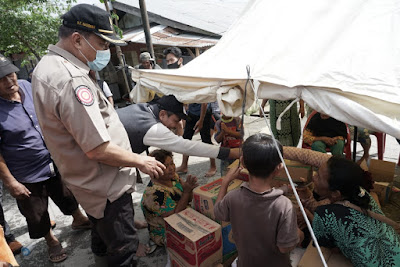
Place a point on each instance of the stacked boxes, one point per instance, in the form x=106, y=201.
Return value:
x=204, y=198
x=193, y=239
x=383, y=174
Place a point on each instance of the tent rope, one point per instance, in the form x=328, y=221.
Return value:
x=244, y=109
x=278, y=121
x=292, y=184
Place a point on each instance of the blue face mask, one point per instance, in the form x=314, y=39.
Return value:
x=102, y=58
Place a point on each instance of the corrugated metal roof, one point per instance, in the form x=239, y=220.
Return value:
x=213, y=16
x=163, y=35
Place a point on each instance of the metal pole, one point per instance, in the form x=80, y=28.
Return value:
x=119, y=55
x=355, y=143
x=146, y=27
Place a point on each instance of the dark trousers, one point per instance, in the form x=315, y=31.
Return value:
x=35, y=207
x=115, y=233
x=204, y=132
x=7, y=231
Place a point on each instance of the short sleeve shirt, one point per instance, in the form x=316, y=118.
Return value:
x=21, y=142
x=75, y=118
x=260, y=223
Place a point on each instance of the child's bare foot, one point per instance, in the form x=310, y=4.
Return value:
x=181, y=170
x=142, y=250
x=211, y=172
x=140, y=224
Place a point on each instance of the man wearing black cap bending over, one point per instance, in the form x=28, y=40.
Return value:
x=150, y=125
x=84, y=135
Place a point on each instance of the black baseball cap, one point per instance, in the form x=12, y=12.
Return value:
x=170, y=103
x=92, y=19
x=6, y=67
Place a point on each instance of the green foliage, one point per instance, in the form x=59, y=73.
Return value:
x=29, y=26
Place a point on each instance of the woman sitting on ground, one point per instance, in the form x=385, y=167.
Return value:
x=364, y=240
x=165, y=196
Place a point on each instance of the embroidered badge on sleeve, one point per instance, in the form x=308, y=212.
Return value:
x=84, y=95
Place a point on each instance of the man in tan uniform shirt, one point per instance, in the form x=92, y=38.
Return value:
x=84, y=134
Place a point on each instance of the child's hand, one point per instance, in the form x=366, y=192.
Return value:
x=233, y=173
x=190, y=184
x=304, y=192
x=224, y=128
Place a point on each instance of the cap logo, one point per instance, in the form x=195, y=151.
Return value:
x=87, y=25
x=84, y=95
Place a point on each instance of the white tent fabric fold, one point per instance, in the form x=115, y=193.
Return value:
x=341, y=57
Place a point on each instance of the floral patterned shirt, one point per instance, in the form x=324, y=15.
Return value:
x=159, y=199
x=367, y=242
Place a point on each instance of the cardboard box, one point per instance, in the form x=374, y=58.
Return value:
x=311, y=258
x=228, y=243
x=204, y=196
x=228, y=262
x=382, y=171
x=296, y=169
x=175, y=261
x=193, y=239
x=383, y=174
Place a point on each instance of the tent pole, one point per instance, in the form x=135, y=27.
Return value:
x=355, y=143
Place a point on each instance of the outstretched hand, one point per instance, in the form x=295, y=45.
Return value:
x=152, y=167
x=198, y=126
x=189, y=184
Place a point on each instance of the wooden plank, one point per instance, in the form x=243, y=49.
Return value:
x=190, y=52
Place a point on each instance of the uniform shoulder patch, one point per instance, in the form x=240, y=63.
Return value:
x=84, y=95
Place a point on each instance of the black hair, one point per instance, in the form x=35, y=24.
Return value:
x=348, y=178
x=176, y=51
x=65, y=32
x=161, y=155
x=260, y=156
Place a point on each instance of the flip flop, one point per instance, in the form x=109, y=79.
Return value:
x=152, y=246
x=86, y=225
x=141, y=224
x=15, y=247
x=210, y=174
x=53, y=224
x=57, y=253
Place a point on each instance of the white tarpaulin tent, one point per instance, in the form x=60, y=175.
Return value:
x=341, y=57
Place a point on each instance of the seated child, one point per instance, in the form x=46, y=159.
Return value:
x=263, y=220
x=165, y=196
x=228, y=133
x=324, y=131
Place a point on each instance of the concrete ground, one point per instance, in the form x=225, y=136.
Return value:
x=77, y=243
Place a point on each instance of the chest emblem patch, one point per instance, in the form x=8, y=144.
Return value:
x=84, y=95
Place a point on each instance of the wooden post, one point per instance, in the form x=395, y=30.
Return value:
x=190, y=52
x=119, y=54
x=146, y=28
